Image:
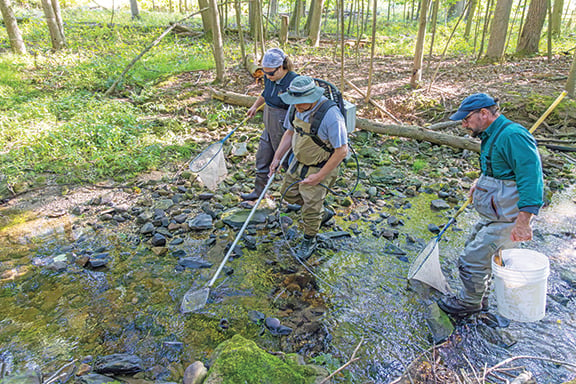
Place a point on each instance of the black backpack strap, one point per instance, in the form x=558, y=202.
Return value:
x=316, y=117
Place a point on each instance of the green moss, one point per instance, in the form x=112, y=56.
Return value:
x=238, y=360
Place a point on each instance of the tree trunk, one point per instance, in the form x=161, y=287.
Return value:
x=571, y=82
x=556, y=25
x=308, y=23
x=206, y=18
x=530, y=37
x=55, y=31
x=372, y=49
x=433, y=24
x=240, y=32
x=297, y=14
x=218, y=48
x=470, y=18
x=273, y=8
x=419, y=52
x=316, y=23
x=497, y=40
x=16, y=41
x=134, y=9
x=485, y=28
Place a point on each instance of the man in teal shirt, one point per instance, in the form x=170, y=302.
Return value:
x=507, y=194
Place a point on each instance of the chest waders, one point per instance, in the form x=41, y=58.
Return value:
x=496, y=201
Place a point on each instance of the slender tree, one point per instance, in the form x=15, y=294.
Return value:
x=497, y=40
x=217, y=45
x=134, y=9
x=433, y=23
x=419, y=52
x=316, y=23
x=571, y=82
x=485, y=28
x=54, y=21
x=206, y=17
x=556, y=25
x=14, y=34
x=240, y=32
x=530, y=37
x=372, y=49
x=470, y=17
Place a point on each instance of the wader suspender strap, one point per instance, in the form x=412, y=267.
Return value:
x=489, y=171
x=316, y=118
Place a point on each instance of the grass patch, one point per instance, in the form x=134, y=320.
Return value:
x=53, y=119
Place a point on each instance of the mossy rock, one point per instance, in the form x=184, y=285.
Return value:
x=239, y=360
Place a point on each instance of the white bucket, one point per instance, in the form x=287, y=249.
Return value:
x=521, y=284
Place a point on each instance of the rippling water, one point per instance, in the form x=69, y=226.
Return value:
x=48, y=318
x=371, y=302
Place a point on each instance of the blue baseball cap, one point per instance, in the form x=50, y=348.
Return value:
x=473, y=103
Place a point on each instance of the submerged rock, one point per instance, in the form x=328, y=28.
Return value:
x=118, y=364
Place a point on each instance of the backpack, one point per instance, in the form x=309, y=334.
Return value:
x=335, y=98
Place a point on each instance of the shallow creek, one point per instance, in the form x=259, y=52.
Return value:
x=49, y=316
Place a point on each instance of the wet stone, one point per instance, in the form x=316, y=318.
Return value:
x=180, y=218
x=205, y=196
x=158, y=240
x=201, y=222
x=164, y=204
x=119, y=218
x=180, y=253
x=439, y=204
x=147, y=228
x=393, y=250
x=193, y=263
x=144, y=217
x=433, y=228
x=164, y=231
x=106, y=217
x=160, y=251
x=118, y=364
x=57, y=266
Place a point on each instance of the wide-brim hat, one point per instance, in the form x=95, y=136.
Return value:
x=473, y=103
x=302, y=90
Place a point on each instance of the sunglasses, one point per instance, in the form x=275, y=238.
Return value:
x=272, y=73
x=470, y=115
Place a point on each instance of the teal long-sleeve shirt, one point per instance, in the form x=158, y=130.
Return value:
x=514, y=157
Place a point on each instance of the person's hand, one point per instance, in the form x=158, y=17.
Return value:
x=472, y=189
x=273, y=167
x=252, y=111
x=522, y=231
x=313, y=179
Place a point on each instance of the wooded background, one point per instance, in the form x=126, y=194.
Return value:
x=496, y=28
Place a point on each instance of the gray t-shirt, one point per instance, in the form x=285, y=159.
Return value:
x=332, y=127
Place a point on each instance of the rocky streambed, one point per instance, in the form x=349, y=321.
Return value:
x=96, y=275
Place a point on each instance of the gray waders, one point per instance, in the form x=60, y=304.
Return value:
x=269, y=141
x=496, y=202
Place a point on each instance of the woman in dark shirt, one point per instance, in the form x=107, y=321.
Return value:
x=278, y=75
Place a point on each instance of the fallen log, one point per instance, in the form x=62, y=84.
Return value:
x=252, y=67
x=408, y=131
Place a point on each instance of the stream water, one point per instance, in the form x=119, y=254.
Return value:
x=51, y=313
x=372, y=303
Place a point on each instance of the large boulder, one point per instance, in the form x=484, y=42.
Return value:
x=238, y=360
